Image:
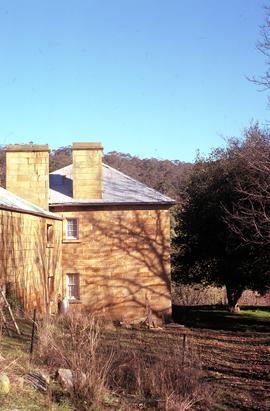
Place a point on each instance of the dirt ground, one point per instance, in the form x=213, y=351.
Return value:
x=235, y=365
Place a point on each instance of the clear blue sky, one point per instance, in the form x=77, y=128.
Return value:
x=155, y=78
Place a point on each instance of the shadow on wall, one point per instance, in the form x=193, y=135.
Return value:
x=27, y=261
x=127, y=262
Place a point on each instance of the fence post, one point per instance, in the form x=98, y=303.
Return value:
x=184, y=348
x=33, y=332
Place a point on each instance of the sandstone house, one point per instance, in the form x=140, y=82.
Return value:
x=87, y=232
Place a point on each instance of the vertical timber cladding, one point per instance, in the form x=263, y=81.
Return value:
x=27, y=259
x=27, y=172
x=122, y=257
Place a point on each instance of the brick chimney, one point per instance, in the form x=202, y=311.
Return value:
x=87, y=171
x=27, y=172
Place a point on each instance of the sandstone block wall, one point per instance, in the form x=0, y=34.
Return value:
x=27, y=172
x=28, y=258
x=123, y=260
x=87, y=170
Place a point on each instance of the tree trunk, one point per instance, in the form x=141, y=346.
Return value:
x=233, y=295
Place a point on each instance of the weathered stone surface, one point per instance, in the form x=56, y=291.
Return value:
x=87, y=170
x=65, y=378
x=4, y=384
x=27, y=172
x=122, y=257
x=27, y=260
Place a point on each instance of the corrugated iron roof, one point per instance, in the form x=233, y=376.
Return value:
x=10, y=201
x=118, y=188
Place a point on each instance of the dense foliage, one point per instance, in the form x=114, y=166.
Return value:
x=207, y=250
x=250, y=217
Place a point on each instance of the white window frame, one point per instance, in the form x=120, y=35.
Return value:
x=73, y=286
x=72, y=233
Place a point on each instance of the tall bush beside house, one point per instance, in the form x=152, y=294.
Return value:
x=206, y=248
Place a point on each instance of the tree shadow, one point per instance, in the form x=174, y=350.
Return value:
x=218, y=318
x=27, y=260
x=124, y=256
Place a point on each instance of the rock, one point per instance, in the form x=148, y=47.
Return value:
x=174, y=325
x=65, y=378
x=4, y=384
x=109, y=326
x=156, y=328
x=38, y=380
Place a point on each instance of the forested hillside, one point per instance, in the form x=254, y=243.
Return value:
x=162, y=175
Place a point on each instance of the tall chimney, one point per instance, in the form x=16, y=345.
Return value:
x=87, y=170
x=27, y=172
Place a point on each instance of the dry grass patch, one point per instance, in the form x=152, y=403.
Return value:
x=108, y=374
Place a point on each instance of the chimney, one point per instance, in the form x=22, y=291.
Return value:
x=27, y=172
x=87, y=171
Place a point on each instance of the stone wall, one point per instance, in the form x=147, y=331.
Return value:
x=29, y=256
x=87, y=170
x=27, y=172
x=123, y=261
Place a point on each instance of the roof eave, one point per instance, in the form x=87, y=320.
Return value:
x=114, y=203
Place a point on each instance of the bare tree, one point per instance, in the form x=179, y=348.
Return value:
x=263, y=45
x=250, y=218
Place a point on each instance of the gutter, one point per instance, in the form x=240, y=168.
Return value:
x=121, y=203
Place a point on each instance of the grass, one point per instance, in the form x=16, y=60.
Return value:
x=232, y=349
x=218, y=318
x=143, y=375
x=15, y=363
x=235, y=364
x=28, y=399
x=234, y=352
x=256, y=313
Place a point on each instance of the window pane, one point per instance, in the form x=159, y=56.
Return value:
x=73, y=286
x=72, y=228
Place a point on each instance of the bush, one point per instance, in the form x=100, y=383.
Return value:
x=105, y=371
x=161, y=382
x=73, y=342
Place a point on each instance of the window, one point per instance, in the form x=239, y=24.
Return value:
x=72, y=228
x=49, y=233
x=73, y=286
